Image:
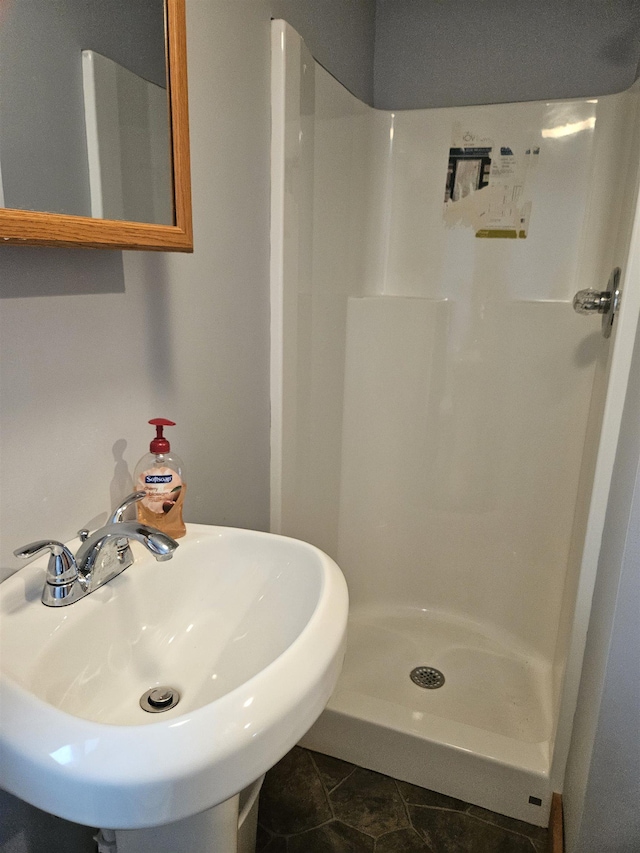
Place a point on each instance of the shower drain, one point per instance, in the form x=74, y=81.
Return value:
x=427, y=676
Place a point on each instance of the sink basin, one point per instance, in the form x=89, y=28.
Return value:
x=248, y=627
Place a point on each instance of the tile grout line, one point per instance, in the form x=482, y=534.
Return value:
x=408, y=814
x=475, y=817
x=468, y=814
x=329, y=792
x=322, y=785
x=503, y=828
x=471, y=806
x=404, y=802
x=310, y=829
x=411, y=827
x=342, y=781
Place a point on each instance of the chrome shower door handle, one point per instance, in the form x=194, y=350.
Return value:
x=605, y=302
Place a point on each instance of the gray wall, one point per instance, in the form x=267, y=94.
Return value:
x=42, y=133
x=602, y=786
x=95, y=343
x=433, y=53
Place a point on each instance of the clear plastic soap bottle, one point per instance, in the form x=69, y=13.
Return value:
x=160, y=474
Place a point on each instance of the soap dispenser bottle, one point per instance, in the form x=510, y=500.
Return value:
x=160, y=474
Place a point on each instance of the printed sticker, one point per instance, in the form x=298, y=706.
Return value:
x=488, y=187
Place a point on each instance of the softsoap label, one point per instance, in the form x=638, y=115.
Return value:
x=162, y=486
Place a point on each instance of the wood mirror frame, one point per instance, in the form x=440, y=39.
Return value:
x=32, y=228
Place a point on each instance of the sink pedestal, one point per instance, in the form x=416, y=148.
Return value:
x=227, y=828
x=212, y=831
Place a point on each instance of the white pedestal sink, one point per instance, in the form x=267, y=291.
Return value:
x=248, y=627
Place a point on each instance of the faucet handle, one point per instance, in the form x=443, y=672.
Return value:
x=61, y=568
x=120, y=510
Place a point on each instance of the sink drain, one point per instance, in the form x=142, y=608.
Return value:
x=427, y=677
x=159, y=699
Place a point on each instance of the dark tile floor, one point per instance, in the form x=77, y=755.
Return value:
x=311, y=803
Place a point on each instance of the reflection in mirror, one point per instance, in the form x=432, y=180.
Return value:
x=128, y=143
x=99, y=148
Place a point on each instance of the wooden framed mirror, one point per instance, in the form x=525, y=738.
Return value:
x=20, y=223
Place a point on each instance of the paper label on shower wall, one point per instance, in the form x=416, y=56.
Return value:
x=488, y=185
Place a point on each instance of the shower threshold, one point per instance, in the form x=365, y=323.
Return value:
x=483, y=736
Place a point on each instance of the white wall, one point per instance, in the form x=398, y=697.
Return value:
x=602, y=785
x=95, y=343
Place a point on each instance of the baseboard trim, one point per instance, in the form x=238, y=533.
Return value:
x=556, y=825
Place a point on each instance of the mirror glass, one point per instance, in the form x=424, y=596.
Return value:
x=84, y=110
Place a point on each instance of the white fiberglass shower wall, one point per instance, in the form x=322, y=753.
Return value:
x=436, y=407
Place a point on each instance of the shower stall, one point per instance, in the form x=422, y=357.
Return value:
x=443, y=423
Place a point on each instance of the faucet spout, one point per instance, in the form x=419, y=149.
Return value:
x=156, y=542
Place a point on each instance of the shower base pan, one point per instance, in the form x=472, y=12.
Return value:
x=483, y=736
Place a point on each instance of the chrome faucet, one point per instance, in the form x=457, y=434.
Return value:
x=101, y=557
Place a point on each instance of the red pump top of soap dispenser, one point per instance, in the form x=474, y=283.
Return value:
x=160, y=443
